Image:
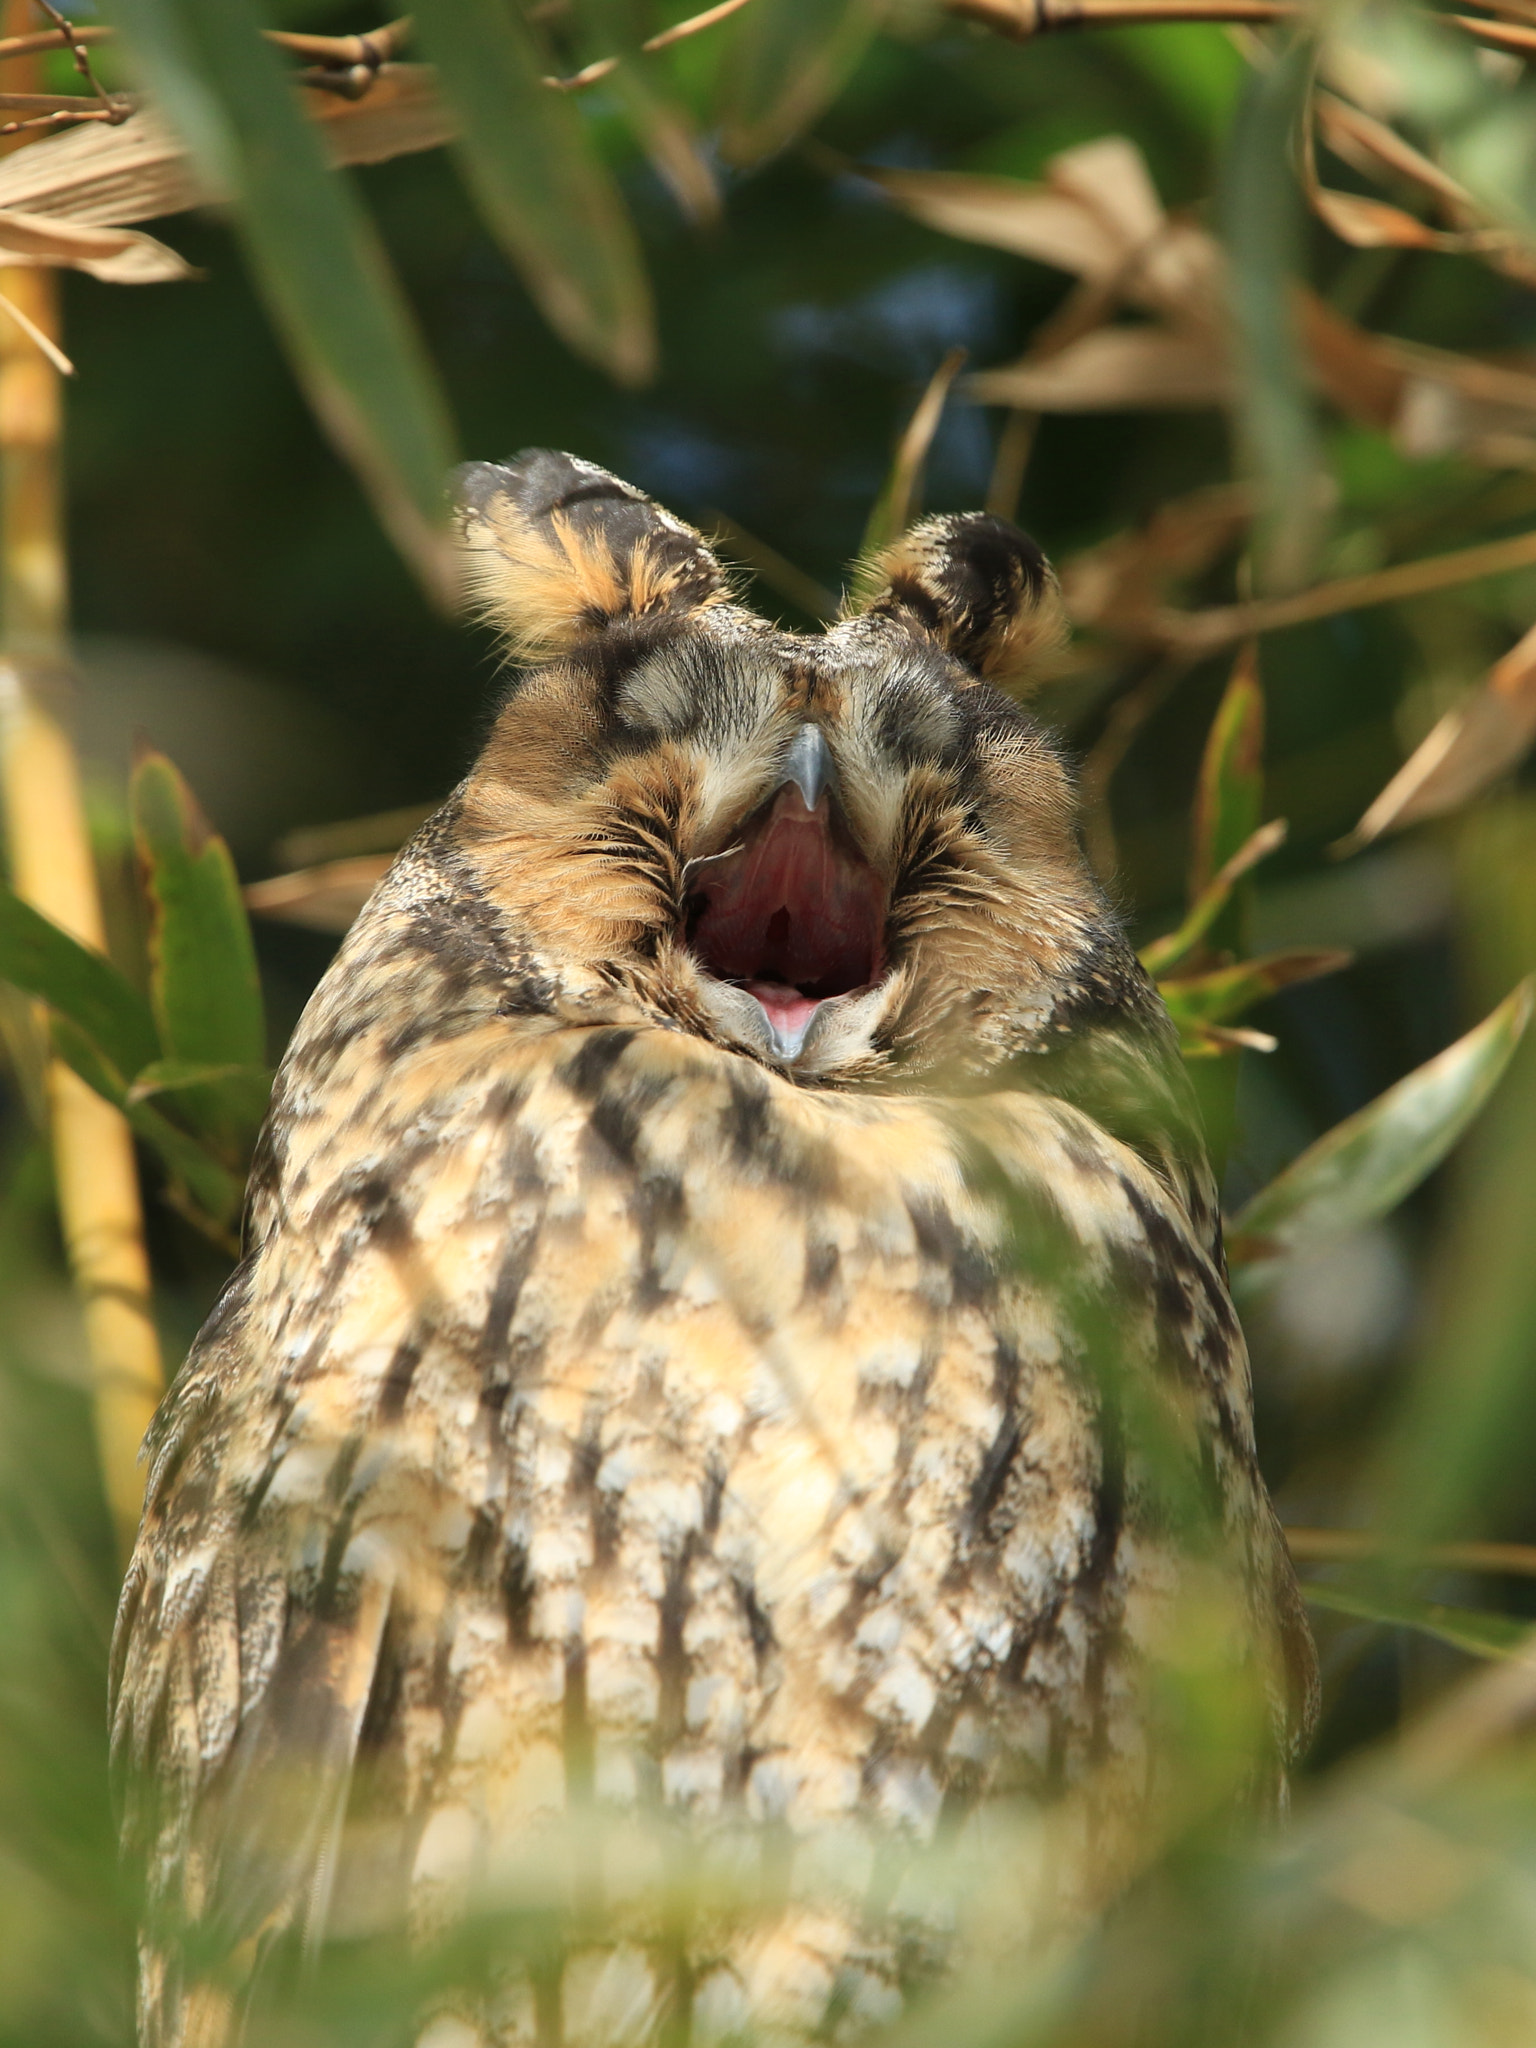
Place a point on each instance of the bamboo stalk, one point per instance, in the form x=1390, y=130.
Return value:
x=51, y=867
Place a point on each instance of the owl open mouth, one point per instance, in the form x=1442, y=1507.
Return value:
x=792, y=913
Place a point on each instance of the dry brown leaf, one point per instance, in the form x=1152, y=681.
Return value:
x=1126, y=579
x=1109, y=176
x=105, y=177
x=1469, y=748
x=1114, y=369
x=1006, y=213
x=325, y=898
x=116, y=255
x=1372, y=146
x=401, y=114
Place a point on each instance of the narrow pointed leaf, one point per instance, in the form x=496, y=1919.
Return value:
x=787, y=61
x=1229, y=796
x=542, y=189
x=1207, y=907
x=1225, y=992
x=1464, y=1628
x=313, y=252
x=204, y=983
x=37, y=956
x=1365, y=1166
x=898, y=495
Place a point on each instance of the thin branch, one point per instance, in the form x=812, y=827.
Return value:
x=378, y=46
x=113, y=110
x=1021, y=20
x=604, y=67
x=1201, y=633
x=1345, y=1546
x=51, y=39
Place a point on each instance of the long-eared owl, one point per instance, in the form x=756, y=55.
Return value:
x=732, y=1367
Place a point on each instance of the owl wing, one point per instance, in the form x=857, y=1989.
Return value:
x=242, y=1669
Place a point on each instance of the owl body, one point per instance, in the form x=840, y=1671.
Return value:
x=681, y=1430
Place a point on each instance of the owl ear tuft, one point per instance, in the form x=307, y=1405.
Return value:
x=555, y=551
x=976, y=585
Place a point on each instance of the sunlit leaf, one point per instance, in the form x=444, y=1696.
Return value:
x=315, y=257
x=115, y=255
x=1464, y=1628
x=37, y=956
x=1470, y=747
x=1365, y=1166
x=540, y=185
x=786, y=61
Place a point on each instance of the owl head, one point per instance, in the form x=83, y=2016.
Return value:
x=845, y=854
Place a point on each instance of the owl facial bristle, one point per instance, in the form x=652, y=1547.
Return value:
x=793, y=914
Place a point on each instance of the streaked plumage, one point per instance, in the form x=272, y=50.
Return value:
x=722, y=1397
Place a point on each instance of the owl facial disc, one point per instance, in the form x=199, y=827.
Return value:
x=793, y=914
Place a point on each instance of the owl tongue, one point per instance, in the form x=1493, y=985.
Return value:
x=793, y=914
x=789, y=1012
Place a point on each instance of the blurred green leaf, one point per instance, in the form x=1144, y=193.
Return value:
x=316, y=259
x=206, y=1190
x=540, y=185
x=203, y=979
x=787, y=60
x=1365, y=1166
x=37, y=956
x=1229, y=795
x=1465, y=1628
x=1261, y=214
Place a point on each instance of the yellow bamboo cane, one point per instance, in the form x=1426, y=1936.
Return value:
x=51, y=866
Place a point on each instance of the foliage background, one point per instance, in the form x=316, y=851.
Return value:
x=235, y=600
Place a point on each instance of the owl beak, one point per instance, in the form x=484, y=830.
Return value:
x=809, y=765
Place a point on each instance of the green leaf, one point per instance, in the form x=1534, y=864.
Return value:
x=1478, y=1633
x=79, y=984
x=244, y=1091
x=203, y=979
x=788, y=60
x=539, y=184
x=1225, y=992
x=1207, y=907
x=206, y=1190
x=1262, y=221
x=1229, y=795
x=317, y=262
x=1365, y=1166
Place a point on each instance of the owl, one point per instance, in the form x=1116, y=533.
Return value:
x=732, y=1370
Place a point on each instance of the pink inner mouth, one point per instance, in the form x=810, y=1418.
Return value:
x=791, y=914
